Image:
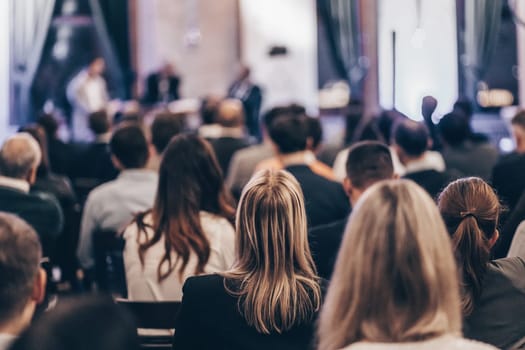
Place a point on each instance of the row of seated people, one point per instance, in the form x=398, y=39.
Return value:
x=408, y=272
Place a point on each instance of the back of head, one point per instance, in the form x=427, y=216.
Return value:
x=279, y=286
x=164, y=127
x=230, y=113
x=470, y=209
x=395, y=279
x=20, y=254
x=129, y=145
x=454, y=128
x=99, y=122
x=19, y=155
x=208, y=110
x=315, y=131
x=190, y=181
x=279, y=111
x=39, y=135
x=49, y=123
x=463, y=106
x=412, y=137
x=428, y=106
x=290, y=133
x=369, y=162
x=83, y=324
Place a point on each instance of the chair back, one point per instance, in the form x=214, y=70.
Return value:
x=109, y=263
x=152, y=314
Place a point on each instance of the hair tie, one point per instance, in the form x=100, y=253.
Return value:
x=465, y=214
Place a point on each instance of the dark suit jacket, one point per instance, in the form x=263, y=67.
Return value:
x=432, y=181
x=225, y=147
x=325, y=200
x=497, y=318
x=153, y=95
x=41, y=210
x=508, y=178
x=251, y=100
x=209, y=319
x=325, y=241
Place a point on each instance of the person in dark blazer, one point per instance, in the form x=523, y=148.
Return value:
x=162, y=86
x=368, y=162
x=251, y=96
x=19, y=159
x=325, y=200
x=411, y=143
x=271, y=296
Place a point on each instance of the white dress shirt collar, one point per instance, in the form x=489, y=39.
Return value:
x=17, y=184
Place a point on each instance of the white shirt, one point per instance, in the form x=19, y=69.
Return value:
x=6, y=340
x=17, y=184
x=142, y=280
x=448, y=342
x=111, y=206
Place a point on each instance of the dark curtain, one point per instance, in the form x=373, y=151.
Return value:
x=341, y=21
x=116, y=19
x=482, y=27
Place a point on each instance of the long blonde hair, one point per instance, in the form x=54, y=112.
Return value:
x=395, y=279
x=274, y=275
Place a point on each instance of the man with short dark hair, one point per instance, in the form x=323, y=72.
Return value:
x=22, y=281
x=111, y=206
x=411, y=142
x=19, y=159
x=164, y=127
x=244, y=161
x=368, y=162
x=460, y=153
x=325, y=200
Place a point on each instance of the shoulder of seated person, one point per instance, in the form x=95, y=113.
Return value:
x=203, y=284
x=43, y=196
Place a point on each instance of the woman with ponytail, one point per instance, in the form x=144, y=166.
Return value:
x=492, y=291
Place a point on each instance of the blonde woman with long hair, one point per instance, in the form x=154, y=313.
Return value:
x=395, y=279
x=270, y=298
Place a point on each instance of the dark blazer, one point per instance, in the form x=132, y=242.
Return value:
x=497, y=318
x=153, y=95
x=325, y=241
x=225, y=147
x=41, y=210
x=432, y=181
x=508, y=178
x=209, y=318
x=325, y=200
x=251, y=100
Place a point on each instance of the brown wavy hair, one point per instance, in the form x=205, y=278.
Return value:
x=190, y=181
x=470, y=209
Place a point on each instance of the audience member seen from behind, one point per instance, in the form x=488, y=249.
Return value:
x=395, y=280
x=111, y=206
x=460, y=153
x=244, y=161
x=492, y=290
x=270, y=298
x=314, y=136
x=23, y=281
x=188, y=231
x=411, y=142
x=82, y=324
x=325, y=200
x=368, y=162
x=230, y=117
x=60, y=187
x=164, y=127
x=20, y=156
x=60, y=153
